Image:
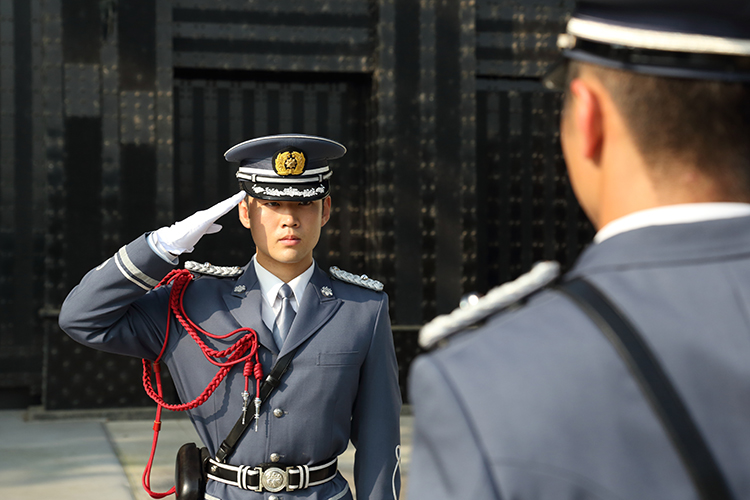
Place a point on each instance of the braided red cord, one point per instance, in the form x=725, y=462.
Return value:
x=245, y=349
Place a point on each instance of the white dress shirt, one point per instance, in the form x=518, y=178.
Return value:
x=672, y=214
x=269, y=287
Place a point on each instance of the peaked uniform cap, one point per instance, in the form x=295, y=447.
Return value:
x=287, y=167
x=697, y=39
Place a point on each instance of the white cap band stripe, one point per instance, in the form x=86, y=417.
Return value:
x=657, y=40
x=260, y=171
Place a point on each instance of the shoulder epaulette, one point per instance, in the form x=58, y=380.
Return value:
x=497, y=299
x=211, y=270
x=362, y=280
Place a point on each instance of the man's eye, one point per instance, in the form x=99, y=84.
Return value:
x=272, y=204
x=305, y=203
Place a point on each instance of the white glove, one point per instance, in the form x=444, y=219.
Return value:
x=181, y=237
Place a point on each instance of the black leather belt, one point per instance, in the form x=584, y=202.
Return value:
x=271, y=477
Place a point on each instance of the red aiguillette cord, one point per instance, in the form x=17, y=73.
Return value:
x=235, y=354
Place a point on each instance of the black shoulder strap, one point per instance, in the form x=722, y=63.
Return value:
x=666, y=402
x=270, y=383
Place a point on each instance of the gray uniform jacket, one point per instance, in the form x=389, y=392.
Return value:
x=342, y=383
x=536, y=403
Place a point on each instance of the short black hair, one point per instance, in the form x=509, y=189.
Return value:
x=701, y=123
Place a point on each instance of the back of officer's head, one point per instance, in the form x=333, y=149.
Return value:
x=674, y=122
x=679, y=75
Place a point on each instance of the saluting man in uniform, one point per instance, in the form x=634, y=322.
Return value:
x=529, y=393
x=342, y=381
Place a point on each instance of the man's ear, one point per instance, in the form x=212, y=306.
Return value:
x=326, y=211
x=587, y=118
x=244, y=212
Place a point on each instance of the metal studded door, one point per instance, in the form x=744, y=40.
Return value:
x=528, y=209
x=528, y=206
x=453, y=182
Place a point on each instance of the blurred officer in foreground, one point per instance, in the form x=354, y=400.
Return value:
x=341, y=380
x=629, y=377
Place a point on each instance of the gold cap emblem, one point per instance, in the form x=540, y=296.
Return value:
x=289, y=162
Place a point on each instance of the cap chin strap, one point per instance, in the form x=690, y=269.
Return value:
x=255, y=178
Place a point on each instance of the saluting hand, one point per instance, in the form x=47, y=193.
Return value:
x=182, y=236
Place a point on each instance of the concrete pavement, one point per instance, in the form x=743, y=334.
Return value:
x=94, y=455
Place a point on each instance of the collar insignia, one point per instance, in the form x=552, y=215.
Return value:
x=240, y=289
x=326, y=291
x=289, y=162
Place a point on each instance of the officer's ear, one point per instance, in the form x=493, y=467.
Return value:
x=326, y=211
x=587, y=117
x=244, y=212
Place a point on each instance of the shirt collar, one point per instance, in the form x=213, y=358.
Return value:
x=672, y=214
x=270, y=283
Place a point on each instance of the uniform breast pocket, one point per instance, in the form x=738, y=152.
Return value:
x=338, y=358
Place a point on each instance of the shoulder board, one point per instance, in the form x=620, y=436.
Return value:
x=211, y=270
x=497, y=299
x=361, y=280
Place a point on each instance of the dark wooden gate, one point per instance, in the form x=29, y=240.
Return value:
x=114, y=116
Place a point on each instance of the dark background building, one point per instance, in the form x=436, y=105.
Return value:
x=114, y=117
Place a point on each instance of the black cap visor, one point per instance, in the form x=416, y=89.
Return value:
x=718, y=67
x=728, y=68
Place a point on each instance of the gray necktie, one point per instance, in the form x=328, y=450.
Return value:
x=285, y=317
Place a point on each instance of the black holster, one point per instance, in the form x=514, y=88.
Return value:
x=190, y=472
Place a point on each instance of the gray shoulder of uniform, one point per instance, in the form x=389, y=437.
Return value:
x=361, y=280
x=211, y=270
x=496, y=300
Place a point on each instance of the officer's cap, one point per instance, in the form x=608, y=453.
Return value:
x=698, y=39
x=289, y=167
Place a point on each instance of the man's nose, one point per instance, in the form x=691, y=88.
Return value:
x=290, y=219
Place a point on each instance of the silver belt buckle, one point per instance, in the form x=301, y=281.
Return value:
x=273, y=479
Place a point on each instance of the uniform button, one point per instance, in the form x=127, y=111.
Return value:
x=275, y=458
x=278, y=413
